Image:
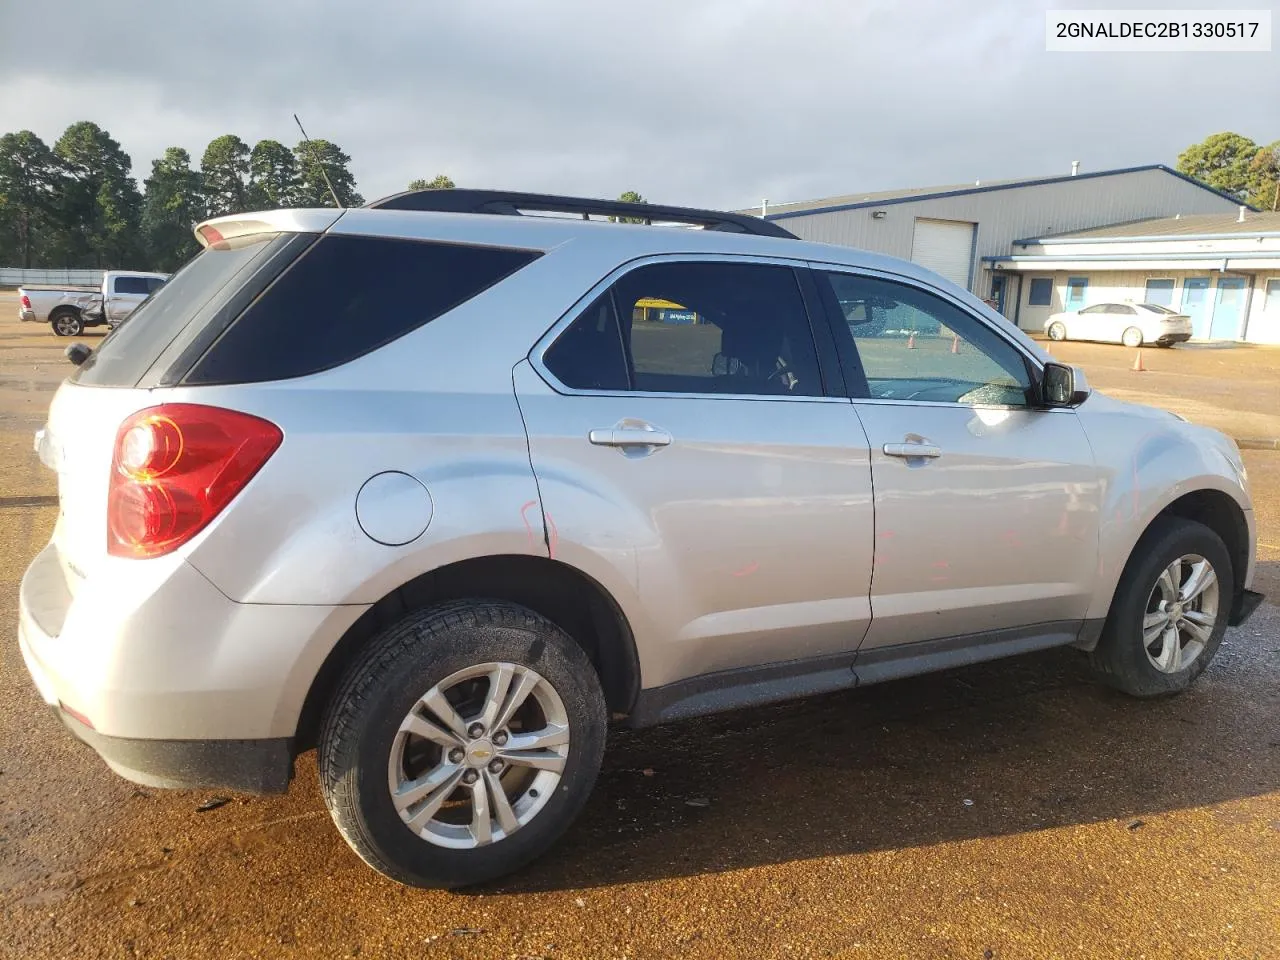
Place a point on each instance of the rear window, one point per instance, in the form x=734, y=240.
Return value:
x=128, y=352
x=132, y=285
x=345, y=297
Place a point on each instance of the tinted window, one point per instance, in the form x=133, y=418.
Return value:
x=128, y=352
x=154, y=283
x=1100, y=308
x=345, y=297
x=1041, y=292
x=913, y=345
x=132, y=285
x=717, y=328
x=733, y=328
x=590, y=355
x=1120, y=309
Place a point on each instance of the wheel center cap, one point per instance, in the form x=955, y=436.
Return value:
x=480, y=752
x=1175, y=611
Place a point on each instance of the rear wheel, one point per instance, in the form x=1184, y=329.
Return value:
x=1057, y=330
x=462, y=744
x=67, y=323
x=1170, y=610
x=1132, y=337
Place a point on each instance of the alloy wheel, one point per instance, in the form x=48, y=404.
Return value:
x=1181, y=613
x=479, y=755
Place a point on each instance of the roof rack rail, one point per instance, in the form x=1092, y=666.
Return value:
x=454, y=200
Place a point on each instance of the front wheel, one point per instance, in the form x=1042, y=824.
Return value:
x=1170, y=610
x=1132, y=337
x=1057, y=331
x=462, y=744
x=67, y=323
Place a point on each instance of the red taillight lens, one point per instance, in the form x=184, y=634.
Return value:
x=176, y=466
x=26, y=301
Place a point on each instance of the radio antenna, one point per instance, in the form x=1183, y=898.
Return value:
x=333, y=193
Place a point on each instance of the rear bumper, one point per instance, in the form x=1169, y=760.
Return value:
x=1174, y=337
x=26, y=315
x=177, y=685
x=240, y=766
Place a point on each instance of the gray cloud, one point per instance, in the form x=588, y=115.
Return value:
x=715, y=102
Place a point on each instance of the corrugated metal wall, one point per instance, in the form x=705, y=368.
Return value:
x=1014, y=214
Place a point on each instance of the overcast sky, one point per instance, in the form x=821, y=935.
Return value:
x=706, y=102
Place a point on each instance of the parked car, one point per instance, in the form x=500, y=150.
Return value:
x=70, y=309
x=477, y=512
x=1133, y=324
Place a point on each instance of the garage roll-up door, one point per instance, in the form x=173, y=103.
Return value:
x=945, y=247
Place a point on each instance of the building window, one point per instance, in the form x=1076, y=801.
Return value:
x=1076, y=287
x=1041, y=292
x=1160, y=291
x=1272, y=302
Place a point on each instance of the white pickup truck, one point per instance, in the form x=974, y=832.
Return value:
x=69, y=309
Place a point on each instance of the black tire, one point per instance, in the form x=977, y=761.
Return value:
x=1057, y=330
x=1120, y=658
x=399, y=666
x=1164, y=344
x=66, y=323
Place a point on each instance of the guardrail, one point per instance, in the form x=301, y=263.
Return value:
x=17, y=276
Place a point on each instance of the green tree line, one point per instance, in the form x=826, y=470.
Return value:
x=76, y=204
x=1236, y=165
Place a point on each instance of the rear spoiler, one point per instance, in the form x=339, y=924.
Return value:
x=270, y=221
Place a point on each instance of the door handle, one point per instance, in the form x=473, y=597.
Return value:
x=909, y=450
x=629, y=437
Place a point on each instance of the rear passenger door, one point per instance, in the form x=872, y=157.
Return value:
x=688, y=432
x=987, y=508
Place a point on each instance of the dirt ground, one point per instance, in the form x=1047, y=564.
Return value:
x=1006, y=810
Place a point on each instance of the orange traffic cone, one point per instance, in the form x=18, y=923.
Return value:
x=911, y=341
x=955, y=343
x=1137, y=362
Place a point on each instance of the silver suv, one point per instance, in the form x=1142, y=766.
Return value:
x=442, y=488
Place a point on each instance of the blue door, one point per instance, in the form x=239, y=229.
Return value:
x=1228, y=309
x=1195, y=304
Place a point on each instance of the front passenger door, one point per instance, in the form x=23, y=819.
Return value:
x=986, y=509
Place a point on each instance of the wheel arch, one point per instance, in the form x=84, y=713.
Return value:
x=1218, y=511
x=566, y=596
x=62, y=308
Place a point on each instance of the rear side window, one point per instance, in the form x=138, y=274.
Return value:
x=695, y=328
x=345, y=297
x=132, y=285
x=128, y=352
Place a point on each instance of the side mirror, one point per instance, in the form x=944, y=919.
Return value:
x=78, y=353
x=1062, y=386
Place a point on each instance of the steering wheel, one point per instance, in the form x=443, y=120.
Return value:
x=783, y=375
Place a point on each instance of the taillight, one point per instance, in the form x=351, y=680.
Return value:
x=175, y=468
x=26, y=301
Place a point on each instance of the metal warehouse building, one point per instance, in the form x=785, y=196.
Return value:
x=984, y=236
